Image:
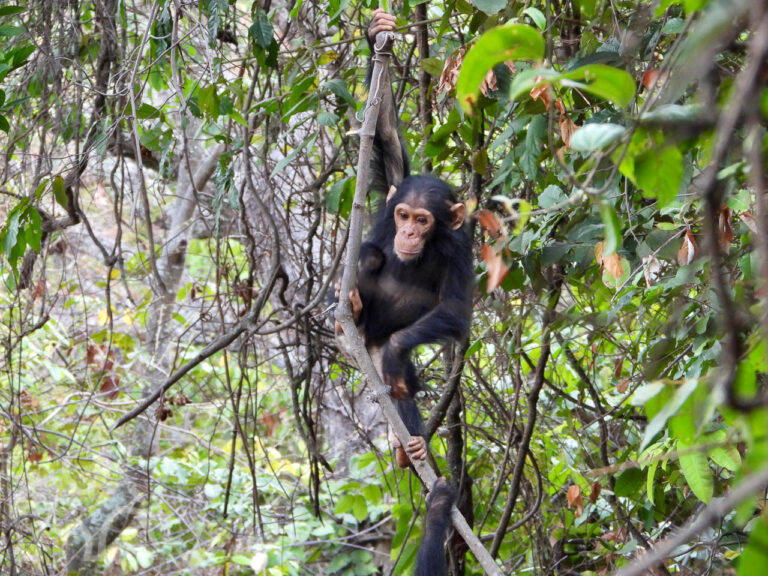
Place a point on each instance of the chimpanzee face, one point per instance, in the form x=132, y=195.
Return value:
x=414, y=226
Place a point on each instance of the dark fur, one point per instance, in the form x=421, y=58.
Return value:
x=430, y=560
x=422, y=301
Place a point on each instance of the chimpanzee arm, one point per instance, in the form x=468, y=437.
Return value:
x=430, y=560
x=449, y=320
x=390, y=158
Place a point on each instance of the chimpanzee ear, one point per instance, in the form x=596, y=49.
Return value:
x=458, y=213
x=392, y=190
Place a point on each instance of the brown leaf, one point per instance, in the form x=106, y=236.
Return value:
x=542, y=91
x=612, y=265
x=594, y=491
x=29, y=402
x=567, y=128
x=749, y=221
x=618, y=367
x=599, y=250
x=650, y=77
x=687, y=251
x=497, y=269
x=489, y=83
x=724, y=230
x=490, y=223
x=450, y=72
x=575, y=500
x=110, y=386
x=623, y=386
x=34, y=456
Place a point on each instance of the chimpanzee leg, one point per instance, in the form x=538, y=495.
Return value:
x=430, y=560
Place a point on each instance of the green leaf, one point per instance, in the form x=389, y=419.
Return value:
x=659, y=173
x=433, y=66
x=327, y=118
x=612, y=228
x=490, y=7
x=359, y=508
x=344, y=504
x=513, y=42
x=10, y=31
x=4, y=125
x=604, y=81
x=147, y=111
x=60, y=191
x=673, y=26
x=695, y=468
x=338, y=87
x=19, y=56
x=670, y=409
x=34, y=232
x=10, y=10
x=592, y=137
x=615, y=283
x=756, y=553
x=629, y=483
x=208, y=100
x=261, y=30
x=551, y=195
x=537, y=16
x=310, y=141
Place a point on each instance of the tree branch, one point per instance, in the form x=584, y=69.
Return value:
x=357, y=350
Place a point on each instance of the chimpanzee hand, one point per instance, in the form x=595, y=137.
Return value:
x=416, y=450
x=381, y=22
x=357, y=307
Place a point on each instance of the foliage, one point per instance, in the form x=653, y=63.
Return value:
x=613, y=157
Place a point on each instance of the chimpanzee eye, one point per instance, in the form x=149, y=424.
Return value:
x=402, y=215
x=421, y=220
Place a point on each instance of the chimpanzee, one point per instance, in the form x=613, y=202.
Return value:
x=415, y=273
x=430, y=560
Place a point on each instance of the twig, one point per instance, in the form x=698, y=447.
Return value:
x=712, y=514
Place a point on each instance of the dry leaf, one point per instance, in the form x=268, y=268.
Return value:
x=749, y=221
x=567, y=128
x=497, y=269
x=650, y=77
x=623, y=386
x=594, y=491
x=489, y=83
x=575, y=500
x=612, y=265
x=450, y=72
x=29, y=402
x=490, y=224
x=599, y=249
x=651, y=269
x=618, y=367
x=724, y=229
x=687, y=251
x=542, y=91
x=110, y=386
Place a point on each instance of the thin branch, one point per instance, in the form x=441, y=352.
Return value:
x=712, y=514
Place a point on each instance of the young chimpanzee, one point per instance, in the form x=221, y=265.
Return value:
x=415, y=270
x=430, y=560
